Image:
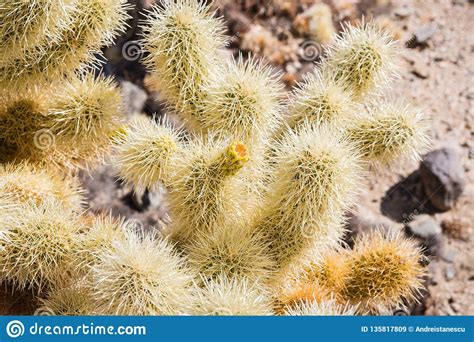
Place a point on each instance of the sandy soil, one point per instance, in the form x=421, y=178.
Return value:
x=446, y=92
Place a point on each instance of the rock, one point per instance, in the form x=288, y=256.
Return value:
x=449, y=255
x=406, y=199
x=429, y=231
x=433, y=268
x=443, y=178
x=450, y=272
x=424, y=227
x=137, y=201
x=400, y=312
x=424, y=33
x=421, y=36
x=134, y=98
x=106, y=194
x=404, y=11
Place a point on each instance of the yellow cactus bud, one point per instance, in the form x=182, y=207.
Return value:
x=206, y=189
x=234, y=158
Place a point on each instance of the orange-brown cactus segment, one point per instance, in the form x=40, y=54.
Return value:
x=301, y=292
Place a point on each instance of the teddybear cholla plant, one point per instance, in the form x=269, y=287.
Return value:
x=55, y=118
x=256, y=198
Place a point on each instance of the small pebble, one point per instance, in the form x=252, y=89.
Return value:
x=449, y=255
x=424, y=226
x=450, y=272
x=424, y=33
x=421, y=36
x=404, y=11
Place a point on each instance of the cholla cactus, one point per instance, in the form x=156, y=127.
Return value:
x=25, y=184
x=256, y=198
x=72, y=127
x=141, y=276
x=384, y=271
x=26, y=24
x=389, y=131
x=204, y=192
x=314, y=182
x=292, y=295
x=92, y=24
x=101, y=234
x=70, y=300
x=46, y=118
x=235, y=253
x=37, y=246
x=326, y=308
x=362, y=59
x=243, y=102
x=143, y=152
x=22, y=115
x=231, y=297
x=328, y=275
x=183, y=40
x=320, y=100
x=87, y=110
x=315, y=164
